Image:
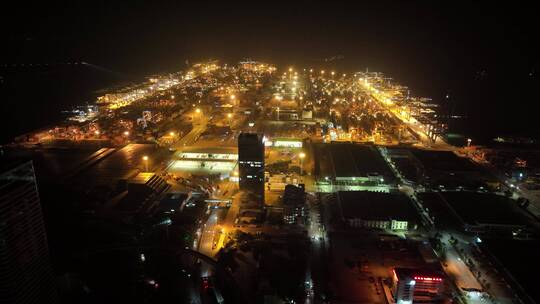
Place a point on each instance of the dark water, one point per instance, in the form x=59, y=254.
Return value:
x=35, y=97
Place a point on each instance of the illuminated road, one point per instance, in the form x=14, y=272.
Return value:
x=228, y=223
x=315, y=273
x=457, y=267
x=199, y=126
x=221, y=220
x=209, y=231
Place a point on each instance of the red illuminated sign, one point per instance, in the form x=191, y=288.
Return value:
x=418, y=278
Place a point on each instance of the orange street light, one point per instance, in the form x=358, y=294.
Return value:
x=145, y=159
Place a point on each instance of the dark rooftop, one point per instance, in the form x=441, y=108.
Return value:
x=120, y=165
x=521, y=263
x=443, y=161
x=376, y=206
x=444, y=217
x=475, y=208
x=351, y=160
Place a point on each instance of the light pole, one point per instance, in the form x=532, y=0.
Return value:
x=277, y=113
x=197, y=114
x=145, y=159
x=302, y=155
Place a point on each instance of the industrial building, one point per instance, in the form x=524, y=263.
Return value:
x=474, y=212
x=294, y=199
x=206, y=160
x=365, y=209
x=440, y=170
x=416, y=285
x=349, y=166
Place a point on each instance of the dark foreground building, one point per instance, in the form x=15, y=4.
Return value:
x=251, y=164
x=25, y=270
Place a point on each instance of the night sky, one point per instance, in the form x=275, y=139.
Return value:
x=484, y=55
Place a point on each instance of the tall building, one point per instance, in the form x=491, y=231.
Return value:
x=416, y=286
x=251, y=164
x=25, y=270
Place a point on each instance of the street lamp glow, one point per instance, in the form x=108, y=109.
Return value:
x=126, y=133
x=198, y=111
x=229, y=115
x=233, y=97
x=145, y=159
x=171, y=133
x=290, y=70
x=302, y=155
x=96, y=132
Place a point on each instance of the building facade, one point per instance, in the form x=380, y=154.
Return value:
x=416, y=286
x=25, y=270
x=251, y=164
